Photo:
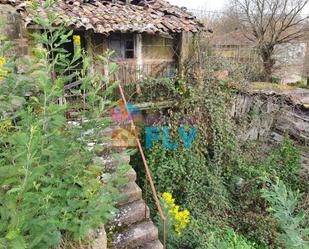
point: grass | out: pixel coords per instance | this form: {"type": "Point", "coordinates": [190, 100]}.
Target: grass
{"type": "Point", "coordinates": [279, 87]}
{"type": "Point", "coordinates": [302, 84]}
{"type": "Point", "coordinates": [271, 86]}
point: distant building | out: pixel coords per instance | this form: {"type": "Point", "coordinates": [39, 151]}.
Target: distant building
{"type": "Point", "coordinates": [235, 45]}
{"type": "Point", "coordinates": [240, 46]}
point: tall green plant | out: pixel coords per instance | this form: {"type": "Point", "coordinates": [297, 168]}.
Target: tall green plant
{"type": "Point", "coordinates": [49, 183]}
{"type": "Point", "coordinates": [284, 206]}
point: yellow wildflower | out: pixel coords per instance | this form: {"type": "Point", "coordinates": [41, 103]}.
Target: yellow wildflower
{"type": "Point", "coordinates": [3, 128]}
{"type": "Point", "coordinates": [180, 219]}
{"type": "Point", "coordinates": [5, 125]}
{"type": "Point", "coordinates": [76, 40]}
{"type": "Point", "coordinates": [3, 72]}
{"type": "Point", "coordinates": [168, 197]}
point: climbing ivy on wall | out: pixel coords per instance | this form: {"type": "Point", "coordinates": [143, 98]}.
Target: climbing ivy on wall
{"type": "Point", "coordinates": [218, 180]}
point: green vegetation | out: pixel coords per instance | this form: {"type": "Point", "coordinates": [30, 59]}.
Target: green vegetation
{"type": "Point", "coordinates": [219, 180]}
{"type": "Point", "coordinates": [230, 198]}
{"type": "Point", "coordinates": [271, 86]}
{"type": "Point", "coordinates": [302, 84]}
{"type": "Point", "coordinates": [283, 205]}
{"type": "Point", "coordinates": [49, 186]}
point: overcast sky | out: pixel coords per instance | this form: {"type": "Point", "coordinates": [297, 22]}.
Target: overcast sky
{"type": "Point", "coordinates": [210, 5]}
{"type": "Point", "coordinates": [203, 4]}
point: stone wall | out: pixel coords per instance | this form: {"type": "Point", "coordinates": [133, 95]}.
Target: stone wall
{"type": "Point", "coordinates": [269, 116]}
{"type": "Point", "coordinates": [290, 61]}
{"type": "Point", "coordinates": [13, 29]}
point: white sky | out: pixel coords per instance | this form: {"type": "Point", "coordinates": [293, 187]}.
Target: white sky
{"type": "Point", "coordinates": [210, 5]}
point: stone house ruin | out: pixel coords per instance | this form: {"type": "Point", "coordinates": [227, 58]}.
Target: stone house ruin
{"type": "Point", "coordinates": [149, 37]}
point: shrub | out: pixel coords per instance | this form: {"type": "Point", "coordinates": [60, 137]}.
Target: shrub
{"type": "Point", "coordinates": [215, 179]}
{"type": "Point", "coordinates": [283, 205]}
{"type": "Point", "coordinates": [49, 184]}
{"type": "Point", "coordinates": [231, 240]}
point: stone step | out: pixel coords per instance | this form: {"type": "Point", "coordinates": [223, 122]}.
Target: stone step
{"type": "Point", "coordinates": [135, 236]}
{"type": "Point", "coordinates": [131, 213]}
{"type": "Point", "coordinates": [152, 245]}
{"type": "Point", "coordinates": [131, 174]}
{"type": "Point", "coordinates": [111, 162]}
{"type": "Point", "coordinates": [115, 161]}
{"type": "Point", "coordinates": [107, 149]}
{"type": "Point", "coordinates": [132, 193]}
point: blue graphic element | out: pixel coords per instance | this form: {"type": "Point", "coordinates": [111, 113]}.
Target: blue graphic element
{"type": "Point", "coordinates": [187, 139]}
{"type": "Point", "coordinates": [166, 140]}
{"type": "Point", "coordinates": [133, 111]}
{"type": "Point", "coordinates": [152, 135]}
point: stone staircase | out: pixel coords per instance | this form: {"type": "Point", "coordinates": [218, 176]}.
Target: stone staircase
{"type": "Point", "coordinates": [132, 227]}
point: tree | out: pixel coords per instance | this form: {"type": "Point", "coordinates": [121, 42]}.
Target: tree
{"type": "Point", "coordinates": [226, 22]}
{"type": "Point", "coordinates": [270, 23]}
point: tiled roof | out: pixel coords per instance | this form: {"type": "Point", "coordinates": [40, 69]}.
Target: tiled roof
{"type": "Point", "coordinates": [103, 16]}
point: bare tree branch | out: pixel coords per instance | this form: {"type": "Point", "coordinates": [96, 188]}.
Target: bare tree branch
{"type": "Point", "coordinates": [270, 23]}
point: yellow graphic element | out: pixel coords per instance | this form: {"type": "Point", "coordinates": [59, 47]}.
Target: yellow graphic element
{"type": "Point", "coordinates": [123, 138]}
{"type": "Point", "coordinates": [180, 218]}
{"type": "Point", "coordinates": [76, 40]}
{"type": "Point", "coordinates": [3, 71]}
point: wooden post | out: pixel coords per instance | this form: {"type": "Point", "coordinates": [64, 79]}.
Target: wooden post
{"type": "Point", "coordinates": [182, 54]}
{"type": "Point", "coordinates": [186, 51]}
{"type": "Point", "coordinates": [90, 51]}
{"type": "Point", "coordinates": [139, 61]}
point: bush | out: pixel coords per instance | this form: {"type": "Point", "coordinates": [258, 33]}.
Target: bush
{"type": "Point", "coordinates": [231, 240]}
{"type": "Point", "coordinates": [283, 205]}
{"type": "Point", "coordinates": [49, 184]}
{"type": "Point", "coordinates": [215, 180]}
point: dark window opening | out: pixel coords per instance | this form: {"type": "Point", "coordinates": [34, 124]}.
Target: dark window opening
{"type": "Point", "coordinates": [129, 54]}
{"type": "Point", "coordinates": [123, 46]}
{"type": "Point", "coordinates": [77, 43]}
{"type": "Point", "coordinates": [130, 44]}
{"type": "Point", "coordinates": [129, 49]}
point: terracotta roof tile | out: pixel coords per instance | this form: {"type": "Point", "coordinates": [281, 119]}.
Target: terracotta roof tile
{"type": "Point", "coordinates": [103, 16]}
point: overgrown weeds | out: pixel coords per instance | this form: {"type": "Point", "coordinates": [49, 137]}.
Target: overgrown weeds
{"type": "Point", "coordinates": [49, 185]}
{"type": "Point", "coordinates": [219, 184]}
